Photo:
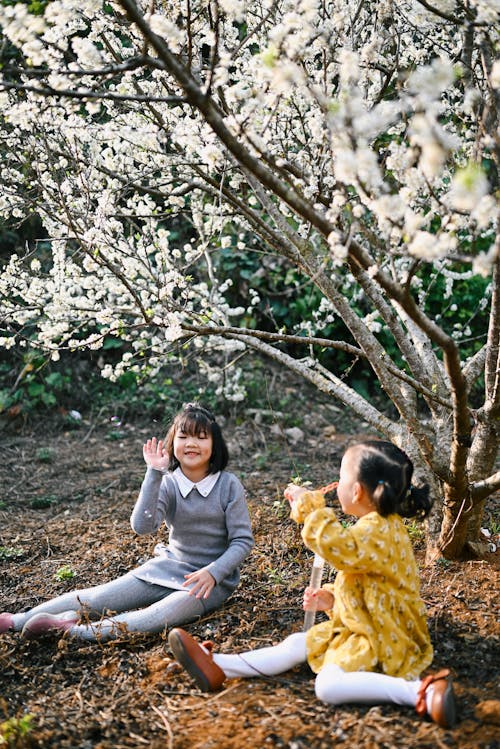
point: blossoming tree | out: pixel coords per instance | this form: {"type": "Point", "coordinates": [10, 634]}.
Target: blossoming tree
{"type": "Point", "coordinates": [355, 141]}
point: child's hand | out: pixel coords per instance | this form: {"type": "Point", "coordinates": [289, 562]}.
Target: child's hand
{"type": "Point", "coordinates": [303, 501]}
{"type": "Point", "coordinates": [318, 599]}
{"type": "Point", "coordinates": [154, 455]}
{"type": "Point", "coordinates": [202, 582]}
{"type": "Point", "coordinates": [294, 492]}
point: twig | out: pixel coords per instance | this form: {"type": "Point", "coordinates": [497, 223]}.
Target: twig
{"type": "Point", "coordinates": [168, 727]}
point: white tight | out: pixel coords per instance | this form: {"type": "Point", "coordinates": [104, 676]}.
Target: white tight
{"type": "Point", "coordinates": [332, 685]}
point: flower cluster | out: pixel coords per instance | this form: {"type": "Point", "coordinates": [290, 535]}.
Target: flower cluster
{"type": "Point", "coordinates": [116, 150]}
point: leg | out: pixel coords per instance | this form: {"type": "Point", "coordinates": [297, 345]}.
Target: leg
{"type": "Point", "coordinates": [265, 661]}
{"type": "Point", "coordinates": [176, 607]}
{"type": "Point", "coordinates": [117, 595]}
{"type": "Point", "coordinates": [433, 695]}
{"type": "Point", "coordinates": [210, 671]}
{"type": "Point", "coordinates": [336, 687]}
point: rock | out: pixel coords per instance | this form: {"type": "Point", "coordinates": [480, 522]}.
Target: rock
{"type": "Point", "coordinates": [488, 711]}
{"type": "Point", "coordinates": [294, 435]}
{"type": "Point", "coordinates": [329, 432]}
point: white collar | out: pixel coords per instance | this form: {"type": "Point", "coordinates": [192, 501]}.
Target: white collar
{"type": "Point", "coordinates": [204, 486]}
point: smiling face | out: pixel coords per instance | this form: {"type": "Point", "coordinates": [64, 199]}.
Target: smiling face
{"type": "Point", "coordinates": [193, 451]}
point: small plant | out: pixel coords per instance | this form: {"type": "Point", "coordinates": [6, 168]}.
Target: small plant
{"type": "Point", "coordinates": [299, 481]}
{"type": "Point", "coordinates": [280, 509]}
{"type": "Point", "coordinates": [15, 733]}
{"type": "Point", "coordinates": [415, 531]}
{"type": "Point", "coordinates": [64, 573]}
{"type": "Point", "coordinates": [261, 461]}
{"type": "Point", "coordinates": [347, 523]}
{"type": "Point", "coordinates": [41, 503]}
{"type": "Point", "coordinates": [10, 552]}
{"type": "Point", "coordinates": [275, 576]}
{"type": "Point", "coordinates": [45, 455]}
{"type": "Point", "coordinates": [494, 527]}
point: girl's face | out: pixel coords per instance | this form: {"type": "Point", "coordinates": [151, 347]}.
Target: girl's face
{"type": "Point", "coordinates": [347, 480]}
{"type": "Point", "coordinates": [353, 496]}
{"type": "Point", "coordinates": [193, 453]}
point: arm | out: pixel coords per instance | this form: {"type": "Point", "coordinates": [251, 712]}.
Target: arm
{"type": "Point", "coordinates": [303, 501]}
{"type": "Point", "coordinates": [354, 549]}
{"type": "Point", "coordinates": [152, 503]}
{"type": "Point", "coordinates": [358, 548]}
{"type": "Point", "coordinates": [239, 535]}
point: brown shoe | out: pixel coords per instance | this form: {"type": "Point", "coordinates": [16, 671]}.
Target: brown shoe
{"type": "Point", "coordinates": [198, 663]}
{"type": "Point", "coordinates": [443, 707]}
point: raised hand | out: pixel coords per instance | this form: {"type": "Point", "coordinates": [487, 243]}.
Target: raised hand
{"type": "Point", "coordinates": [294, 492]}
{"type": "Point", "coordinates": [154, 454]}
{"type": "Point", "coordinates": [303, 501]}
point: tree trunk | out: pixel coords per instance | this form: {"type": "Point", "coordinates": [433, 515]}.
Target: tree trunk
{"type": "Point", "coordinates": [481, 463]}
{"type": "Point", "coordinates": [456, 513]}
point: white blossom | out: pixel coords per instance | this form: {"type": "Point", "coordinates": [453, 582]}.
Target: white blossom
{"type": "Point", "coordinates": [495, 74]}
{"type": "Point", "coordinates": [319, 97]}
{"type": "Point", "coordinates": [468, 187]}
{"type": "Point", "coordinates": [483, 264]}
{"type": "Point", "coordinates": [166, 28]}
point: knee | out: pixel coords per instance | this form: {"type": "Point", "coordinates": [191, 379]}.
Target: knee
{"type": "Point", "coordinates": [327, 686]}
{"type": "Point", "coordinates": [296, 644]}
{"type": "Point", "coordinates": [296, 639]}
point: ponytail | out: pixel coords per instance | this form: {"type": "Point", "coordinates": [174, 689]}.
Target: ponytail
{"type": "Point", "coordinates": [416, 503]}
{"type": "Point", "coordinates": [386, 471]}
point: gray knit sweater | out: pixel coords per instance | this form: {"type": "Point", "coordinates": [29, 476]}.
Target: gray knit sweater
{"type": "Point", "coordinates": [212, 531]}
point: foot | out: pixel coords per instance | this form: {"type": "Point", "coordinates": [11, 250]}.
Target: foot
{"type": "Point", "coordinates": [197, 660]}
{"type": "Point", "coordinates": [42, 624]}
{"type": "Point", "coordinates": [6, 623]}
{"type": "Point", "coordinates": [437, 699]}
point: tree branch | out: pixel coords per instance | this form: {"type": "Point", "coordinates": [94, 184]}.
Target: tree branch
{"type": "Point", "coordinates": [438, 12]}
{"type": "Point", "coordinates": [475, 366]}
{"type": "Point", "coordinates": [276, 337]}
{"type": "Point", "coordinates": [492, 364]}
{"type": "Point", "coordinates": [215, 119]}
{"type": "Point", "coordinates": [332, 386]}
{"type": "Point", "coordinates": [48, 91]}
{"type": "Point", "coordinates": [482, 489]}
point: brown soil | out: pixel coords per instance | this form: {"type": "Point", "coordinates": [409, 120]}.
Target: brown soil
{"type": "Point", "coordinates": [66, 500]}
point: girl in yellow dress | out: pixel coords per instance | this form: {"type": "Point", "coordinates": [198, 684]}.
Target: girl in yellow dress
{"type": "Point", "coordinates": [375, 643]}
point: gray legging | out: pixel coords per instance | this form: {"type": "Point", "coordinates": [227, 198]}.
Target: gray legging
{"type": "Point", "coordinates": [142, 607]}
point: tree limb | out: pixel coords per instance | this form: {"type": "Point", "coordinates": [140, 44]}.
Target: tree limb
{"type": "Point", "coordinates": [333, 386]}
{"type": "Point", "coordinates": [482, 489]}
{"type": "Point", "coordinates": [48, 91]}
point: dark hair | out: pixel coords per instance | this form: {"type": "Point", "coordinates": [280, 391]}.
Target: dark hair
{"type": "Point", "coordinates": [195, 419]}
{"type": "Point", "coordinates": [386, 471]}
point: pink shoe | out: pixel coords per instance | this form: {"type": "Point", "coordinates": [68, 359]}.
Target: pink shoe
{"type": "Point", "coordinates": [42, 624]}
{"type": "Point", "coordinates": [6, 623]}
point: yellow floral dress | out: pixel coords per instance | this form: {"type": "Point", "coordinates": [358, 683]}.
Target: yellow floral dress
{"type": "Point", "coordinates": [378, 621]}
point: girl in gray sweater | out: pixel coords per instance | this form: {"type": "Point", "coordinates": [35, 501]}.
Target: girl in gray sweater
{"type": "Point", "coordinates": [210, 534]}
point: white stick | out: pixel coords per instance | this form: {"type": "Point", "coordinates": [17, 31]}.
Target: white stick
{"type": "Point", "coordinates": [315, 584]}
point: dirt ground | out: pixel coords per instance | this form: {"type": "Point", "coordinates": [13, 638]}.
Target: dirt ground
{"type": "Point", "coordinates": [65, 500]}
